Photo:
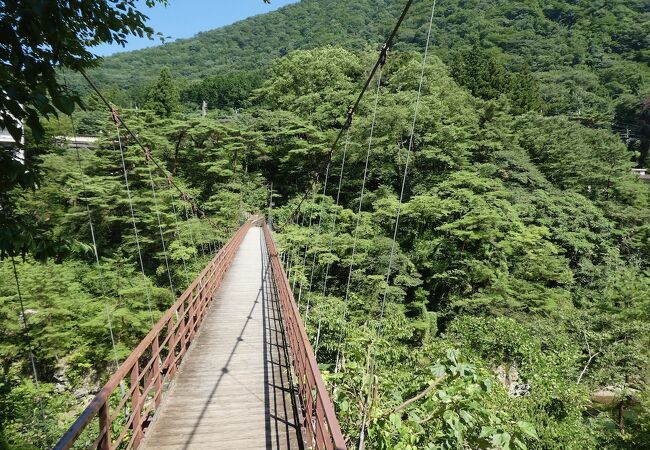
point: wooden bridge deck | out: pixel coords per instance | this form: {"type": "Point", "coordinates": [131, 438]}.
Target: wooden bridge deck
{"type": "Point", "coordinates": [233, 390]}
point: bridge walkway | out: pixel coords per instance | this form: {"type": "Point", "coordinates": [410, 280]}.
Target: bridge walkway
{"type": "Point", "coordinates": [233, 389]}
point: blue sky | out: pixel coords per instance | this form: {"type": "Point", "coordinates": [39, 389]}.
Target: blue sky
{"type": "Point", "coordinates": [185, 18]}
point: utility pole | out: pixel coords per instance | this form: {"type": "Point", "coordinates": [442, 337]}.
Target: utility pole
{"type": "Point", "coordinates": [204, 109]}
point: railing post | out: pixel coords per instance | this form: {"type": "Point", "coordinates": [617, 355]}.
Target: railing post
{"type": "Point", "coordinates": [191, 314]}
{"type": "Point", "coordinates": [170, 364]}
{"type": "Point", "coordinates": [104, 427]}
{"type": "Point", "coordinates": [136, 425]}
{"type": "Point", "coordinates": [181, 328]}
{"type": "Point", "coordinates": [156, 372]}
{"type": "Point", "coordinates": [201, 304]}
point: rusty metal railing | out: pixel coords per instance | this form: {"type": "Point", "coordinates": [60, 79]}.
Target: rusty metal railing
{"type": "Point", "coordinates": [321, 427]}
{"type": "Point", "coordinates": [123, 409]}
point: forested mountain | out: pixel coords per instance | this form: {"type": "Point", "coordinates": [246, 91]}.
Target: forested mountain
{"type": "Point", "coordinates": [517, 306]}
{"type": "Point", "coordinates": [590, 56]}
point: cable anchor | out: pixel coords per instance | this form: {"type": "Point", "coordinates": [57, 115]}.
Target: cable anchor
{"type": "Point", "coordinates": [383, 55]}
{"type": "Point", "coordinates": [115, 115]}
{"type": "Point", "coordinates": [348, 120]}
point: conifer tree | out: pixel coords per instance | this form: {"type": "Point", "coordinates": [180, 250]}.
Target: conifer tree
{"type": "Point", "coordinates": [163, 97]}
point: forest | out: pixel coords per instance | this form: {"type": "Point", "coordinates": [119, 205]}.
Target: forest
{"type": "Point", "coordinates": [517, 310]}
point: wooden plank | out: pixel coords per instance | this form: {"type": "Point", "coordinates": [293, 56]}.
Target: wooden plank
{"type": "Point", "coordinates": [233, 389]}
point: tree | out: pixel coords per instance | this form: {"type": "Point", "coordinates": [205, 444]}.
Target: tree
{"type": "Point", "coordinates": [40, 38]}
{"type": "Point", "coordinates": [523, 91]}
{"type": "Point", "coordinates": [163, 97]}
{"type": "Point", "coordinates": [480, 71]}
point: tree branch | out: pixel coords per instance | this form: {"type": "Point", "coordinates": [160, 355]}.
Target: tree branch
{"type": "Point", "coordinates": [419, 396]}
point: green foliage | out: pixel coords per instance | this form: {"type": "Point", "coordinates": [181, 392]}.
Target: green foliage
{"type": "Point", "coordinates": [520, 244]}
{"type": "Point", "coordinates": [69, 300]}
{"type": "Point", "coordinates": [519, 288]}
{"type": "Point", "coordinates": [41, 37]}
{"type": "Point", "coordinates": [229, 91]}
{"type": "Point", "coordinates": [163, 98]}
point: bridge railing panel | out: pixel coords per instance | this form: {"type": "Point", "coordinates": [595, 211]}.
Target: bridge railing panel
{"type": "Point", "coordinates": [125, 406]}
{"type": "Point", "coordinates": [321, 427]}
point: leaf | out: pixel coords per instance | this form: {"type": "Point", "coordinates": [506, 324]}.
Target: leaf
{"type": "Point", "coordinates": [438, 370]}
{"type": "Point", "coordinates": [467, 417]}
{"type": "Point", "coordinates": [520, 444]}
{"type": "Point", "coordinates": [64, 103]}
{"type": "Point", "coordinates": [528, 429]}
{"type": "Point", "coordinates": [501, 440]}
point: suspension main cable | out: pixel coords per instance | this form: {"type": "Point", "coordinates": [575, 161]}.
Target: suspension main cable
{"type": "Point", "coordinates": [381, 60]}
{"type": "Point", "coordinates": [118, 119]}
{"type": "Point", "coordinates": [135, 226]}
{"type": "Point", "coordinates": [379, 328]}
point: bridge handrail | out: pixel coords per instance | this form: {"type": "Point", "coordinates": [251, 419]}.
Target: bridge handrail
{"type": "Point", "coordinates": [319, 419]}
{"type": "Point", "coordinates": [153, 364]}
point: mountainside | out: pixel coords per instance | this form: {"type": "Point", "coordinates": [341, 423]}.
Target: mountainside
{"type": "Point", "coordinates": [590, 56]}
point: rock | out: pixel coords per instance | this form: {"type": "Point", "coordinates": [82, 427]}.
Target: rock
{"type": "Point", "coordinates": [510, 379]}
{"type": "Point", "coordinates": [610, 396]}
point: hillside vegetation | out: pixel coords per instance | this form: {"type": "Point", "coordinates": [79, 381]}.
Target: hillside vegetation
{"type": "Point", "coordinates": [590, 56]}
{"type": "Point", "coordinates": [518, 305]}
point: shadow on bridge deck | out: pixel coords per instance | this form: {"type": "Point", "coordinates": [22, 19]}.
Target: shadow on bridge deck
{"type": "Point", "coordinates": [233, 390]}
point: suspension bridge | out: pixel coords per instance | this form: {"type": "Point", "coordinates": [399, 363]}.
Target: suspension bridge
{"type": "Point", "coordinates": [218, 376]}
{"type": "Point", "coordinates": [229, 365]}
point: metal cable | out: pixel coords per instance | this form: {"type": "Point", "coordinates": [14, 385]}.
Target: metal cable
{"type": "Point", "coordinates": [135, 137]}
{"type": "Point", "coordinates": [356, 228]}
{"type": "Point", "coordinates": [320, 222]}
{"type": "Point", "coordinates": [396, 228]}
{"type": "Point", "coordinates": [178, 233]}
{"type": "Point", "coordinates": [162, 235]}
{"type": "Point", "coordinates": [336, 211]}
{"type": "Point", "coordinates": [102, 282]}
{"type": "Point", "coordinates": [28, 340]}
{"type": "Point", "coordinates": [351, 111]}
{"type": "Point", "coordinates": [187, 218]}
{"type": "Point", "coordinates": [304, 263]}
{"type": "Point", "coordinates": [135, 226]}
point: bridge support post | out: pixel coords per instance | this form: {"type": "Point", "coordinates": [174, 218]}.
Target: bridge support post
{"type": "Point", "coordinates": [155, 370]}
{"type": "Point", "coordinates": [104, 428]}
{"type": "Point", "coordinates": [181, 328]}
{"type": "Point", "coordinates": [170, 361]}
{"type": "Point", "coordinates": [136, 424]}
